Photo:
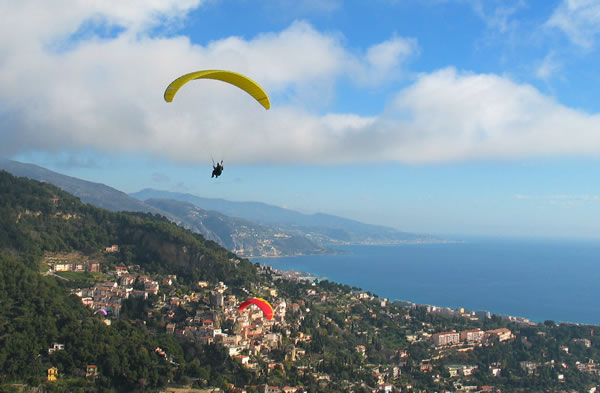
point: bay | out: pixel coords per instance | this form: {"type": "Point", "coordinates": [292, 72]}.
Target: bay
{"type": "Point", "coordinates": [536, 279]}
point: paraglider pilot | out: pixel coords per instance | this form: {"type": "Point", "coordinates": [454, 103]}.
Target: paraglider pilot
{"type": "Point", "coordinates": [217, 169]}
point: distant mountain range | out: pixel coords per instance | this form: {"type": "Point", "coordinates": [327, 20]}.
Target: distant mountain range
{"type": "Point", "coordinates": [244, 237]}
{"type": "Point", "coordinates": [322, 228]}
{"type": "Point", "coordinates": [249, 229]}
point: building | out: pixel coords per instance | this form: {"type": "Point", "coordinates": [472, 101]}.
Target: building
{"type": "Point", "coordinates": [453, 370]}
{"type": "Point", "coordinates": [472, 336]}
{"type": "Point", "coordinates": [529, 366]}
{"type": "Point", "coordinates": [446, 338]}
{"type": "Point", "coordinates": [56, 347]}
{"type": "Point", "coordinates": [52, 374]}
{"type": "Point", "coordinates": [362, 350]}
{"type": "Point", "coordinates": [121, 270]}
{"type": "Point", "coordinates": [217, 299]}
{"type": "Point", "coordinates": [151, 287]}
{"type": "Point", "coordinates": [113, 248]}
{"type": "Point", "coordinates": [91, 371]}
{"type": "Point", "coordinates": [271, 389]}
{"type": "Point", "coordinates": [502, 334]}
{"type": "Point", "coordinates": [468, 370]}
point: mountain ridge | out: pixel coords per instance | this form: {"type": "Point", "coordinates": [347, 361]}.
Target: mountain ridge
{"type": "Point", "coordinates": [337, 229]}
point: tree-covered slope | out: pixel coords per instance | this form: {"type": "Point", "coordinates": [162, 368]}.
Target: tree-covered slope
{"type": "Point", "coordinates": [35, 218]}
{"type": "Point", "coordinates": [37, 311]}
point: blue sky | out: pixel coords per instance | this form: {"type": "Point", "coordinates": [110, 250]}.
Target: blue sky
{"type": "Point", "coordinates": [474, 117]}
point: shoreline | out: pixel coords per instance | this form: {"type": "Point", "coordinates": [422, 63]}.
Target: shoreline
{"type": "Point", "coordinates": [448, 311]}
{"type": "Point", "coordinates": [338, 252]}
{"type": "Point", "coordinates": [409, 263]}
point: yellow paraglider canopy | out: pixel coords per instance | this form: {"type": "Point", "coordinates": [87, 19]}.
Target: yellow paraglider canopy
{"type": "Point", "coordinates": [239, 80]}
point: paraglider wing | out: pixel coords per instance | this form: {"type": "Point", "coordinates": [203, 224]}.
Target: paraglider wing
{"type": "Point", "coordinates": [103, 311]}
{"type": "Point", "coordinates": [261, 303]}
{"type": "Point", "coordinates": [239, 80]}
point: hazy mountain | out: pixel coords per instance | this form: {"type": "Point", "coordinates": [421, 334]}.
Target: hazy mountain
{"type": "Point", "coordinates": [243, 237]}
{"type": "Point", "coordinates": [97, 194]}
{"type": "Point", "coordinates": [323, 228]}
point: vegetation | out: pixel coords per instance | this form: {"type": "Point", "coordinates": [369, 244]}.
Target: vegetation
{"type": "Point", "coordinates": [356, 340]}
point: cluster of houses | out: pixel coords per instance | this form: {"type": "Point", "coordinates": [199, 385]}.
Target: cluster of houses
{"type": "Point", "coordinates": [589, 367]}
{"type": "Point", "coordinates": [249, 333]}
{"type": "Point", "coordinates": [109, 295]}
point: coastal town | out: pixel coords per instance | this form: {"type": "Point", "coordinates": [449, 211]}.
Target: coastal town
{"type": "Point", "coordinates": [209, 315]}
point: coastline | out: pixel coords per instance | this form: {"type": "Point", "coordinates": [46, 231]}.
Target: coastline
{"type": "Point", "coordinates": [469, 275]}
{"type": "Point", "coordinates": [333, 251]}
{"type": "Point", "coordinates": [430, 308]}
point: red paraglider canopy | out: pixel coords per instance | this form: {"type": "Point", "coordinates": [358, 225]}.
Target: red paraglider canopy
{"type": "Point", "coordinates": [261, 303]}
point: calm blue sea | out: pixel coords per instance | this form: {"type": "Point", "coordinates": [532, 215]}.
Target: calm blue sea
{"type": "Point", "coordinates": [536, 279]}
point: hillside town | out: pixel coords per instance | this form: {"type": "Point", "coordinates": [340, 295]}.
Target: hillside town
{"type": "Point", "coordinates": [212, 317]}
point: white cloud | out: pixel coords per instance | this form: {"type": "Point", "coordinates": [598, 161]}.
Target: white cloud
{"type": "Point", "coordinates": [579, 20]}
{"type": "Point", "coordinates": [34, 21]}
{"type": "Point", "coordinates": [105, 94]}
{"type": "Point", "coordinates": [449, 115]}
{"type": "Point", "coordinates": [384, 61]}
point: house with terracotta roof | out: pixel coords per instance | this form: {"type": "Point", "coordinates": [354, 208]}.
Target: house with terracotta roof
{"type": "Point", "coordinates": [91, 371]}
{"type": "Point", "coordinates": [502, 334]}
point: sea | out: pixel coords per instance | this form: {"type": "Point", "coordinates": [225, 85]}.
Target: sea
{"type": "Point", "coordinates": [540, 280]}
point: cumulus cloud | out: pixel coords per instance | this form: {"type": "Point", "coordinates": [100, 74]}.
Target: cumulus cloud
{"type": "Point", "coordinates": [450, 115]}
{"type": "Point", "coordinates": [579, 20]}
{"type": "Point", "coordinates": [105, 93]}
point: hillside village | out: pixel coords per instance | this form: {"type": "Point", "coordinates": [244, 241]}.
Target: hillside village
{"type": "Point", "coordinates": [209, 315]}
